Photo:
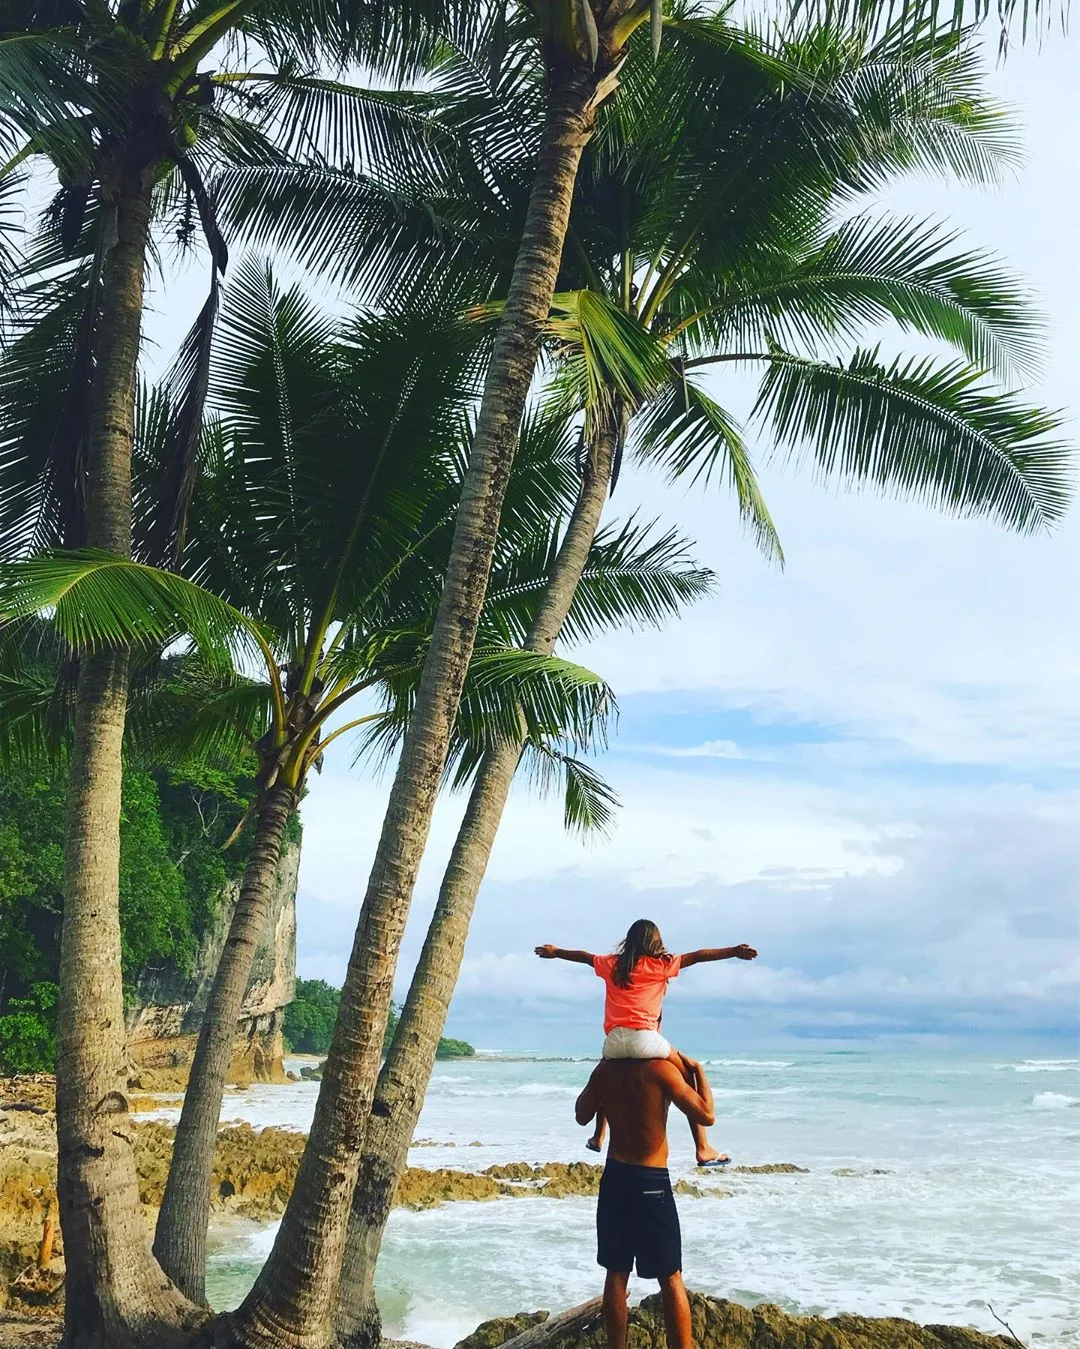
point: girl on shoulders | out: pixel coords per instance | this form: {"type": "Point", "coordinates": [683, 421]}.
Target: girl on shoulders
{"type": "Point", "coordinates": [635, 981]}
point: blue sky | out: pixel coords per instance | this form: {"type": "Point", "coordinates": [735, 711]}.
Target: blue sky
{"type": "Point", "coordinates": [867, 764]}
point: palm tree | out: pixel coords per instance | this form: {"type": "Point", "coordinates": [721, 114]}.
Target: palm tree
{"type": "Point", "coordinates": [114, 98]}
{"type": "Point", "coordinates": [583, 45]}
{"type": "Point", "coordinates": [324, 510]}
{"type": "Point", "coordinates": [686, 277]}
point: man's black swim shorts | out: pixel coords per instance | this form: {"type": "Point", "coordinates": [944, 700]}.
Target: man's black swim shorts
{"type": "Point", "coordinates": [636, 1219]}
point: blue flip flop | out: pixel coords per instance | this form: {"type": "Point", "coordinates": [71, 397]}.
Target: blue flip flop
{"type": "Point", "coordinates": [593, 1147]}
{"type": "Point", "coordinates": [714, 1165]}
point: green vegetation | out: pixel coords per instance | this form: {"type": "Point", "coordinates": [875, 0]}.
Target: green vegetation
{"type": "Point", "coordinates": [172, 872]}
{"type": "Point", "coordinates": [309, 1022]}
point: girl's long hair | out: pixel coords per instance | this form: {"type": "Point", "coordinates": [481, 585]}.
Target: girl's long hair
{"type": "Point", "coordinates": [643, 939]}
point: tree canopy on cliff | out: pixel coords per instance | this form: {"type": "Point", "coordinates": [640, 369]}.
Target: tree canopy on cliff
{"type": "Point", "coordinates": [310, 1017]}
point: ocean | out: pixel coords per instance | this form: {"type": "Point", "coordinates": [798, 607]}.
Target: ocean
{"type": "Point", "coordinates": [962, 1192]}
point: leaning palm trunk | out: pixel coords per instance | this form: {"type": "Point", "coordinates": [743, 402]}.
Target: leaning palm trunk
{"type": "Point", "coordinates": [404, 1078]}
{"type": "Point", "coordinates": [294, 1295]}
{"type": "Point", "coordinates": [180, 1238]}
{"type": "Point", "coordinates": [115, 1292]}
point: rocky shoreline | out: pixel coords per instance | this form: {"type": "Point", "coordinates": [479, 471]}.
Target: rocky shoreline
{"type": "Point", "coordinates": [253, 1175]}
{"type": "Point", "coordinates": [717, 1323]}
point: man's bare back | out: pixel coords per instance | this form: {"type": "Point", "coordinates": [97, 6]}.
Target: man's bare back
{"type": "Point", "coordinates": [635, 1094]}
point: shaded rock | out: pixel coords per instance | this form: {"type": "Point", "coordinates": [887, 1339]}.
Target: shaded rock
{"type": "Point", "coordinates": [855, 1171]}
{"type": "Point", "coordinates": [496, 1332]}
{"type": "Point", "coordinates": [719, 1324]}
{"type": "Point", "coordinates": [694, 1191]}
{"type": "Point", "coordinates": [421, 1189]}
{"type": "Point", "coordinates": [163, 1064]}
{"type": "Point", "coordinates": [773, 1169]}
{"type": "Point", "coordinates": [312, 1073]}
{"type": "Point", "coordinates": [253, 1175]}
{"type": "Point", "coordinates": [139, 1104]}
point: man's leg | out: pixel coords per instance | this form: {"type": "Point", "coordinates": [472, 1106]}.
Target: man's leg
{"type": "Point", "coordinates": [703, 1149]}
{"type": "Point", "coordinates": [616, 1312]}
{"type": "Point", "coordinates": [680, 1334]}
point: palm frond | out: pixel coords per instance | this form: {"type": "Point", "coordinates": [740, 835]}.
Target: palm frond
{"type": "Point", "coordinates": [865, 273]}
{"type": "Point", "coordinates": [343, 226]}
{"type": "Point", "coordinates": [589, 803]}
{"type": "Point", "coordinates": [198, 713]}
{"type": "Point", "coordinates": [388, 133]}
{"type": "Point", "coordinates": [163, 518]}
{"type": "Point", "coordinates": [604, 354]}
{"type": "Point", "coordinates": [687, 432]}
{"type": "Point", "coordinates": [45, 375]}
{"type": "Point", "coordinates": [95, 599]}
{"type": "Point", "coordinates": [922, 428]}
{"type": "Point", "coordinates": [635, 576]}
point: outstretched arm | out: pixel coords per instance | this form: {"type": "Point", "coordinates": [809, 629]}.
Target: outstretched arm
{"type": "Point", "coordinates": [696, 1102]}
{"type": "Point", "coordinates": [557, 953]}
{"type": "Point", "coordinates": [742, 952]}
{"type": "Point", "coordinates": [588, 1103]}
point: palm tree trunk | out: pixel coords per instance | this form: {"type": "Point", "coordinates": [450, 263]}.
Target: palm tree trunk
{"type": "Point", "coordinates": [405, 1075]}
{"type": "Point", "coordinates": [180, 1238]}
{"type": "Point", "coordinates": [295, 1292]}
{"type": "Point", "coordinates": [114, 1289]}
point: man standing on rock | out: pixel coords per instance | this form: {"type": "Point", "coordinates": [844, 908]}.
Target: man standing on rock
{"type": "Point", "coordinates": [636, 1217]}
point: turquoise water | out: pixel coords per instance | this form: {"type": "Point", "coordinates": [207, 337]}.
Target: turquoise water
{"type": "Point", "coordinates": [980, 1202]}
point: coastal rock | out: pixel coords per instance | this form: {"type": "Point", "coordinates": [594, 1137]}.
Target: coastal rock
{"type": "Point", "coordinates": [496, 1332]}
{"type": "Point", "coordinates": [253, 1175]}
{"type": "Point", "coordinates": [691, 1190]}
{"type": "Point", "coordinates": [773, 1169]}
{"type": "Point", "coordinates": [420, 1188]}
{"type": "Point", "coordinates": [719, 1324]}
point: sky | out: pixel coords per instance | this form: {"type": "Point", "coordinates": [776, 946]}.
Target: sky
{"type": "Point", "coordinates": [866, 764]}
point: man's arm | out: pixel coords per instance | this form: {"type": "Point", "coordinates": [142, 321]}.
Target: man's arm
{"type": "Point", "coordinates": [742, 952]}
{"type": "Point", "coordinates": [695, 1102]}
{"type": "Point", "coordinates": [557, 953]}
{"type": "Point", "coordinates": [588, 1103]}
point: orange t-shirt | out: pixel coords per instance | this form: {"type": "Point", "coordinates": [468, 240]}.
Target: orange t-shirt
{"type": "Point", "coordinates": [636, 1007]}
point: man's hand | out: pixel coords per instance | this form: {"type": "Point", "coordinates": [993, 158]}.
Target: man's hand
{"type": "Point", "coordinates": [549, 952]}
{"type": "Point", "coordinates": [744, 952]}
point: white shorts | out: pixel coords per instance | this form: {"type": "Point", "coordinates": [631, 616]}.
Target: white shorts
{"type": "Point", "coordinates": [624, 1043]}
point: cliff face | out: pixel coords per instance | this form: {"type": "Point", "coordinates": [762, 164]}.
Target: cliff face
{"type": "Point", "coordinates": [167, 1011]}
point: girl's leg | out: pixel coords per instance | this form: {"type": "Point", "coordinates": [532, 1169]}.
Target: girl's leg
{"type": "Point", "coordinates": [596, 1142]}
{"type": "Point", "coordinates": [703, 1149]}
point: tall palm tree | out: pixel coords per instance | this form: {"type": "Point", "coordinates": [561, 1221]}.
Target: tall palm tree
{"type": "Point", "coordinates": [324, 510]}
{"type": "Point", "coordinates": [707, 239]}
{"type": "Point", "coordinates": [115, 97]}
{"type": "Point", "coordinates": [583, 45]}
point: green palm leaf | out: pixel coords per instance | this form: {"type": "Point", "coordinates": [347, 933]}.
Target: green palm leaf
{"type": "Point", "coordinates": [589, 803]}
{"type": "Point", "coordinates": [865, 273]}
{"type": "Point", "coordinates": [922, 428]}
{"type": "Point", "coordinates": [687, 432]}
{"type": "Point", "coordinates": [635, 576]}
{"type": "Point", "coordinates": [97, 600]}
